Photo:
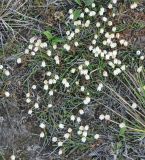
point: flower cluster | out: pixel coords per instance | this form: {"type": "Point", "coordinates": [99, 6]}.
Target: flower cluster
{"type": "Point", "coordinates": [89, 55]}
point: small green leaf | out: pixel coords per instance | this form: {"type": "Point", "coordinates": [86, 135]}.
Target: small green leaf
{"type": "Point", "coordinates": [56, 40]}
{"type": "Point", "coordinates": [76, 14]}
{"type": "Point", "coordinates": [48, 35]}
{"type": "Point", "coordinates": [122, 132]}
{"type": "Point", "coordinates": [78, 2]}
{"type": "Point", "coordinates": [88, 2]}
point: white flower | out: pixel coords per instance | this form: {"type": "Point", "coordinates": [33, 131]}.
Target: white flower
{"type": "Point", "coordinates": [139, 69]}
{"type": "Point", "coordinates": [7, 94]}
{"type": "Point", "coordinates": [45, 82]}
{"type": "Point", "coordinates": [87, 77]}
{"type": "Point", "coordinates": [100, 86]}
{"type": "Point", "coordinates": [1, 67]}
{"type": "Point", "coordinates": [125, 43]}
{"type": "Point", "coordinates": [54, 139]}
{"type": "Point", "coordinates": [87, 63]}
{"type": "Point", "coordinates": [72, 117]}
{"type": "Point", "coordinates": [122, 41]}
{"type": "Point", "coordinates": [48, 73]}
{"type": "Point", "coordinates": [36, 105]}
{"type": "Point", "coordinates": [60, 144]}
{"type": "Point", "coordinates": [92, 13]}
{"type": "Point", "coordinates": [107, 117]}
{"type": "Point", "coordinates": [49, 105]}
{"type": "Point", "coordinates": [45, 87]}
{"type": "Point", "coordinates": [82, 15]}
{"type": "Point", "coordinates": [26, 51]}
{"type": "Point", "coordinates": [114, 1]}
{"type": "Point", "coordinates": [42, 134]}
{"type": "Point", "coordinates": [51, 93]}
{"type": "Point", "coordinates": [95, 36]}
{"type": "Point", "coordinates": [113, 45]}
{"type": "Point", "coordinates": [123, 67]}
{"type": "Point", "coordinates": [98, 24]}
{"type": "Point", "coordinates": [61, 126]}
{"type": "Point", "coordinates": [80, 67]}
{"type": "Point", "coordinates": [30, 46]}
{"type": "Point", "coordinates": [102, 30]}
{"type": "Point", "coordinates": [71, 16]}
{"type": "Point", "coordinates": [57, 60]}
{"type": "Point", "coordinates": [117, 71]}
{"type": "Point", "coordinates": [66, 47]}
{"type": "Point", "coordinates": [133, 6]}
{"type": "Point", "coordinates": [105, 74]}
{"type": "Point", "coordinates": [77, 23]}
{"type": "Point", "coordinates": [54, 46]}
{"type": "Point", "coordinates": [104, 43]}
{"type": "Point", "coordinates": [42, 125]}
{"type": "Point", "coordinates": [96, 136]}
{"type": "Point", "coordinates": [43, 64]}
{"type": "Point", "coordinates": [73, 70]}
{"type": "Point", "coordinates": [94, 41]}
{"type": "Point", "coordinates": [76, 43]}
{"type": "Point", "coordinates": [28, 100]}
{"type": "Point", "coordinates": [72, 34]}
{"type": "Point", "coordinates": [33, 53]}
{"type": "Point", "coordinates": [138, 52]}
{"type": "Point", "coordinates": [83, 139]}
{"type": "Point", "coordinates": [19, 60]}
{"type": "Point", "coordinates": [38, 43]}
{"type": "Point", "coordinates": [78, 119]}
{"type": "Point", "coordinates": [86, 127]}
{"type": "Point", "coordinates": [104, 19]}
{"type": "Point", "coordinates": [134, 106]}
{"type": "Point", "coordinates": [117, 35]}
{"type": "Point", "coordinates": [81, 128]}
{"type": "Point", "coordinates": [142, 57]}
{"type": "Point", "coordinates": [13, 157]}
{"type": "Point", "coordinates": [93, 5]}
{"type": "Point", "coordinates": [82, 88]}
{"type": "Point", "coordinates": [84, 134]}
{"type": "Point", "coordinates": [81, 112]}
{"type": "Point", "coordinates": [67, 33]}
{"type": "Point", "coordinates": [110, 23]}
{"type": "Point", "coordinates": [66, 85]}
{"type": "Point", "coordinates": [90, 48]}
{"type": "Point", "coordinates": [77, 30]}
{"type": "Point", "coordinates": [101, 117]}
{"type": "Point", "coordinates": [56, 77]}
{"type": "Point", "coordinates": [35, 49]}
{"type": "Point", "coordinates": [30, 111]}
{"type": "Point", "coordinates": [34, 87]}
{"type": "Point", "coordinates": [122, 125]}
{"type": "Point", "coordinates": [70, 11]}
{"type": "Point", "coordinates": [66, 135]}
{"type": "Point", "coordinates": [102, 9]}
{"type": "Point", "coordinates": [110, 6]}
{"type": "Point", "coordinates": [69, 130]}
{"type": "Point", "coordinates": [79, 132]}
{"type": "Point", "coordinates": [32, 40]}
{"type": "Point", "coordinates": [50, 81]}
{"type": "Point", "coordinates": [6, 72]}
{"type": "Point", "coordinates": [86, 10]}
{"type": "Point", "coordinates": [87, 100]}
{"type": "Point", "coordinates": [87, 23]}
{"type": "Point", "coordinates": [101, 12]}
{"type": "Point", "coordinates": [49, 52]}
{"type": "Point", "coordinates": [43, 45]}
{"type": "Point", "coordinates": [60, 152]}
